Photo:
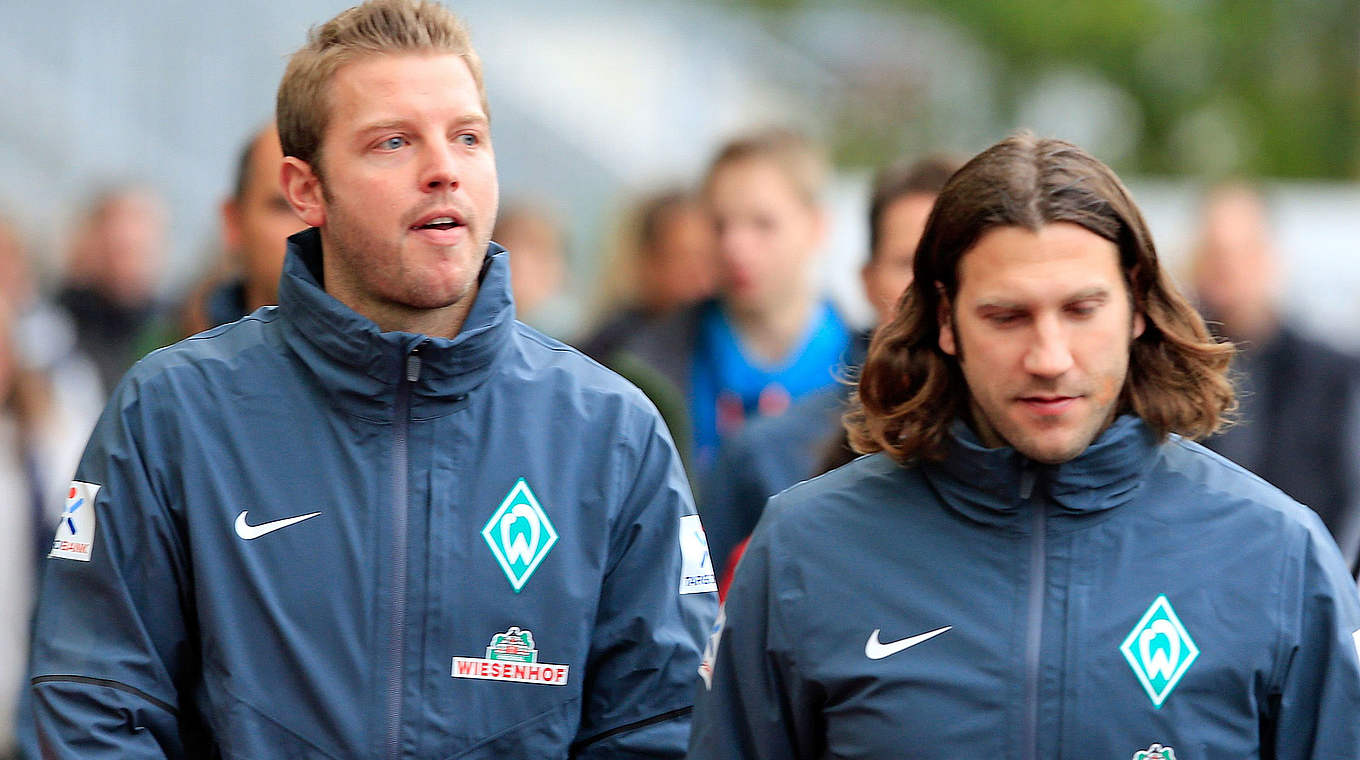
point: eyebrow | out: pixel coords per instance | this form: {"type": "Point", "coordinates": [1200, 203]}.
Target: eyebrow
{"type": "Point", "coordinates": [382, 126]}
{"type": "Point", "coordinates": [1000, 302]}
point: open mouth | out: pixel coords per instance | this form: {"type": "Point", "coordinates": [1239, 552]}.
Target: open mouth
{"type": "Point", "coordinates": [439, 223]}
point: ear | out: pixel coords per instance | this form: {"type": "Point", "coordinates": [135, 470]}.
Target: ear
{"type": "Point", "coordinates": [302, 187]}
{"type": "Point", "coordinates": [944, 315]}
{"type": "Point", "coordinates": [231, 224]}
{"type": "Point", "coordinates": [1139, 324]}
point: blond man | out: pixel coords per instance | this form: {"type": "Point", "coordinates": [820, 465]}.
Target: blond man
{"type": "Point", "coordinates": [383, 519]}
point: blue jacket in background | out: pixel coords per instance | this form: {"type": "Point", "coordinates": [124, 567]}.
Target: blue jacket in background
{"type": "Point", "coordinates": [1144, 600]}
{"type": "Point", "coordinates": [488, 549]}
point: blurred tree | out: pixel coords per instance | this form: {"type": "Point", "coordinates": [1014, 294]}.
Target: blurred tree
{"type": "Point", "coordinates": [1254, 87]}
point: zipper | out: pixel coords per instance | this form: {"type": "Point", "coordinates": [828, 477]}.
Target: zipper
{"type": "Point", "coordinates": [400, 496]}
{"type": "Point", "coordinates": [1034, 627]}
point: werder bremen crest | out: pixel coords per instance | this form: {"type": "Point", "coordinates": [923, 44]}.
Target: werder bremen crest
{"type": "Point", "coordinates": [520, 534]}
{"type": "Point", "coordinates": [1159, 650]}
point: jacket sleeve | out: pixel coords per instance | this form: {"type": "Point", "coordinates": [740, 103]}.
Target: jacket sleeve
{"type": "Point", "coordinates": [754, 703]}
{"type": "Point", "coordinates": [1347, 527]}
{"type": "Point", "coordinates": [730, 500]}
{"type": "Point", "coordinates": [657, 603]}
{"type": "Point", "coordinates": [1317, 708]}
{"type": "Point", "coordinates": [110, 629]}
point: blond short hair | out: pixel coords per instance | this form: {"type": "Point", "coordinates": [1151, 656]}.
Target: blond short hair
{"type": "Point", "coordinates": [798, 158]}
{"type": "Point", "coordinates": [376, 27]}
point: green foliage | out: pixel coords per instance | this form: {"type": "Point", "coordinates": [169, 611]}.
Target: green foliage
{"type": "Point", "coordinates": [1281, 75]}
{"type": "Point", "coordinates": [1249, 87]}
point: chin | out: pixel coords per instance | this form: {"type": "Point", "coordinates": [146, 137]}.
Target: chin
{"type": "Point", "coordinates": [1051, 452]}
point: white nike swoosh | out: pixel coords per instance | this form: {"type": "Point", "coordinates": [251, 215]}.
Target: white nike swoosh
{"type": "Point", "coordinates": [876, 651]}
{"type": "Point", "coordinates": [248, 531]}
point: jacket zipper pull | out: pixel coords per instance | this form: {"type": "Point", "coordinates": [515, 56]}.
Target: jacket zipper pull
{"type": "Point", "coordinates": [1028, 475]}
{"type": "Point", "coordinates": [412, 367]}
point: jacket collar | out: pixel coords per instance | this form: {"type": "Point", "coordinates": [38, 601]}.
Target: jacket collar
{"type": "Point", "coordinates": [362, 365]}
{"type": "Point", "coordinates": [994, 485]}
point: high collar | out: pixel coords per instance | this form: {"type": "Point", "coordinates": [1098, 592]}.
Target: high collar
{"type": "Point", "coordinates": [362, 365]}
{"type": "Point", "coordinates": [995, 485]}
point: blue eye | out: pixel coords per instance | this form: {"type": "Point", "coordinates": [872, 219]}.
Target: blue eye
{"type": "Point", "coordinates": [469, 140]}
{"type": "Point", "coordinates": [392, 143]}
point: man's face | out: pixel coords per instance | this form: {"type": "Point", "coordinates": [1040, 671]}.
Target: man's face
{"type": "Point", "coordinates": [257, 225]}
{"type": "Point", "coordinates": [131, 234]}
{"type": "Point", "coordinates": [407, 193]}
{"type": "Point", "coordinates": [767, 234]}
{"type": "Point", "coordinates": [889, 272]}
{"type": "Point", "coordinates": [1235, 271]}
{"type": "Point", "coordinates": [680, 268]}
{"type": "Point", "coordinates": [1041, 326]}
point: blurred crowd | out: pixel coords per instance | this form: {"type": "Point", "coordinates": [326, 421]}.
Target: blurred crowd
{"type": "Point", "coordinates": [709, 300]}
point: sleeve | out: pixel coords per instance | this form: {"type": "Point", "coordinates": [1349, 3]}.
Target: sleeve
{"type": "Point", "coordinates": [1347, 528]}
{"type": "Point", "coordinates": [754, 703]}
{"type": "Point", "coordinates": [1317, 707]}
{"type": "Point", "coordinates": [110, 631]}
{"type": "Point", "coordinates": [657, 603]}
{"type": "Point", "coordinates": [730, 500]}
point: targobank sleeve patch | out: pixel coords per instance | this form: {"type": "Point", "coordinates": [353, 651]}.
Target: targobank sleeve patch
{"type": "Point", "coordinates": [75, 532]}
{"type": "Point", "coordinates": [696, 566]}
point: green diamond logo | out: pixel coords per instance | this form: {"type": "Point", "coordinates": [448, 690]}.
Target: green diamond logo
{"type": "Point", "coordinates": [1159, 650]}
{"type": "Point", "coordinates": [520, 534]}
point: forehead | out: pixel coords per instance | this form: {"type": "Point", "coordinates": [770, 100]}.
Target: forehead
{"type": "Point", "coordinates": [388, 86]}
{"type": "Point", "coordinates": [751, 181]}
{"type": "Point", "coordinates": [906, 215]}
{"type": "Point", "coordinates": [1020, 265]}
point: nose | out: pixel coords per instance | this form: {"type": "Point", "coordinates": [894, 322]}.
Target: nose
{"type": "Point", "coordinates": [440, 168]}
{"type": "Point", "coordinates": [1049, 353]}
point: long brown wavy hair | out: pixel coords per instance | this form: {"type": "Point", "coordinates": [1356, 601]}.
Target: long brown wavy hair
{"type": "Point", "coordinates": [910, 391]}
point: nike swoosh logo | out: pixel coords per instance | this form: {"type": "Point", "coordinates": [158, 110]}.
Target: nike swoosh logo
{"type": "Point", "coordinates": [877, 651]}
{"type": "Point", "coordinates": [247, 531]}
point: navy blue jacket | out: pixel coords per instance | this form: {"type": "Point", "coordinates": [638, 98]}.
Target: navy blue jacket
{"type": "Point", "coordinates": [1141, 594]}
{"type": "Point", "coordinates": [487, 549]}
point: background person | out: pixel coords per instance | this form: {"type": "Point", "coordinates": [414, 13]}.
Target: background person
{"type": "Point", "coordinates": [666, 261]}
{"type": "Point", "coordinates": [1033, 560]}
{"type": "Point", "coordinates": [773, 453]}
{"type": "Point", "coordinates": [1298, 422]}
{"type": "Point", "coordinates": [770, 336]}
{"type": "Point", "coordinates": [348, 526]}
{"type": "Point", "coordinates": [256, 224]}
{"type": "Point", "coordinates": [49, 398]}
{"type": "Point", "coordinates": [538, 262]}
{"type": "Point", "coordinates": [112, 274]}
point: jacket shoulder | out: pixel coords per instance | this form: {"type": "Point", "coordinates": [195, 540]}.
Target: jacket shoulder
{"type": "Point", "coordinates": [544, 358]}
{"type": "Point", "coordinates": [1215, 482]}
{"type": "Point", "coordinates": [827, 501]}
{"type": "Point", "coordinates": [223, 344]}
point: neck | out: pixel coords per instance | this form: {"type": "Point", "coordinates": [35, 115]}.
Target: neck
{"type": "Point", "coordinates": [773, 333]}
{"type": "Point", "coordinates": [257, 295]}
{"type": "Point", "coordinates": [1254, 326]}
{"type": "Point", "coordinates": [445, 322]}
